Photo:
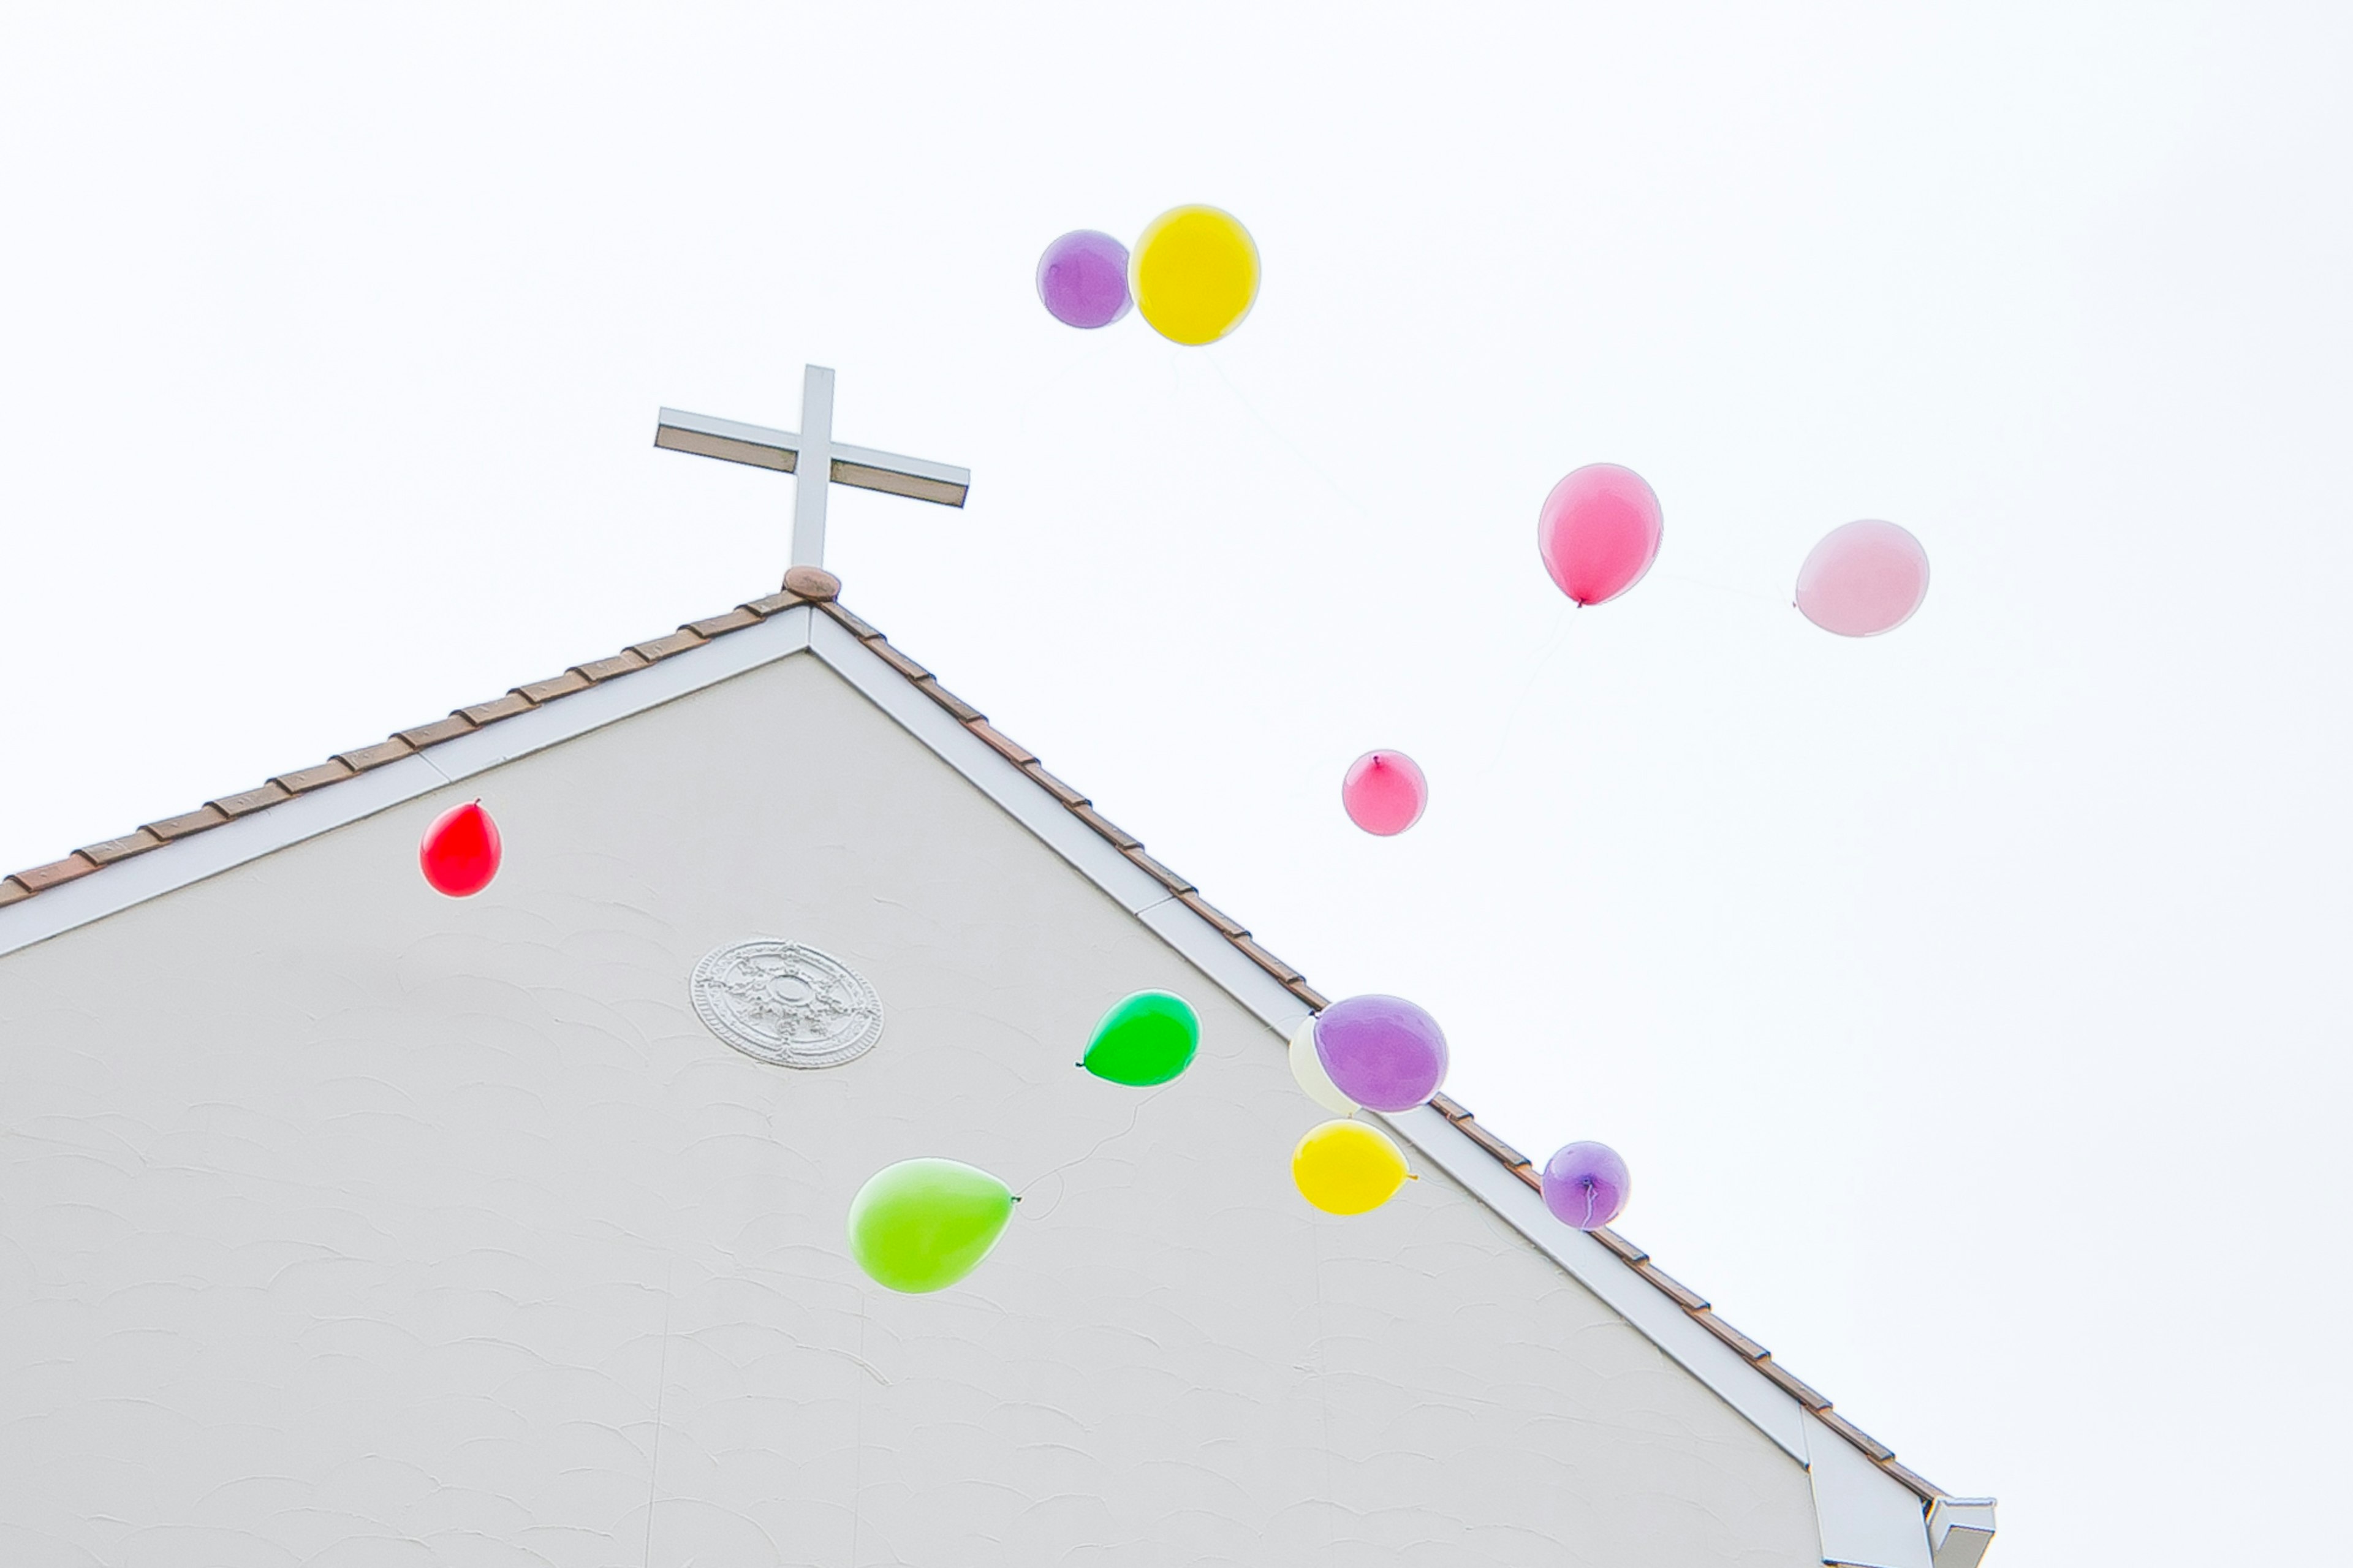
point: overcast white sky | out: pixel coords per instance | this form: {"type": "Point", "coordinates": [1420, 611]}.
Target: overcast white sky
{"type": "Point", "coordinates": [1969, 1002]}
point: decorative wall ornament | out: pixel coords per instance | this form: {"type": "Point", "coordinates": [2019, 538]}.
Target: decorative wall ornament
{"type": "Point", "coordinates": [790, 1006]}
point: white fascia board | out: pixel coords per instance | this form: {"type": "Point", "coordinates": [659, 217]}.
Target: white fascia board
{"type": "Point", "coordinates": [1206, 949]}
{"type": "Point", "coordinates": [201, 855]}
{"type": "Point", "coordinates": [1653, 1314]}
{"type": "Point", "coordinates": [780, 635]}
{"type": "Point", "coordinates": [1026, 800]}
{"type": "Point", "coordinates": [1959, 1530]}
{"type": "Point", "coordinates": [113, 888]}
{"type": "Point", "coordinates": [1868, 1519]}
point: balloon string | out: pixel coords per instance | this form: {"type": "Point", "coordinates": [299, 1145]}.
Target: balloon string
{"type": "Point", "coordinates": [1289, 444]}
{"type": "Point", "coordinates": [1520, 704]}
{"type": "Point", "coordinates": [1588, 1205]}
{"type": "Point", "coordinates": [1108, 1138]}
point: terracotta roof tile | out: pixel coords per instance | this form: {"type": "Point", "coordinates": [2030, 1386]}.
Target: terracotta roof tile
{"type": "Point", "coordinates": [439, 730]}
{"type": "Point", "coordinates": [26, 884]}
{"type": "Point", "coordinates": [621, 663]}
{"type": "Point", "coordinates": [1054, 786]}
{"type": "Point", "coordinates": [882, 650]}
{"type": "Point", "coordinates": [1689, 1299]}
{"type": "Point", "coordinates": [966, 714]}
{"type": "Point", "coordinates": [1469, 1127]}
{"type": "Point", "coordinates": [252, 800]}
{"type": "Point", "coordinates": [1855, 1435]}
{"type": "Point", "coordinates": [1264, 959]}
{"type": "Point", "coordinates": [1316, 1000]}
{"type": "Point", "coordinates": [1106, 826]}
{"type": "Point", "coordinates": [377, 756]}
{"type": "Point", "coordinates": [1626, 1250]}
{"type": "Point", "coordinates": [734, 620]}
{"type": "Point", "coordinates": [1011, 750]}
{"type": "Point", "coordinates": [813, 584]}
{"type": "Point", "coordinates": [1154, 869]}
{"type": "Point", "coordinates": [496, 709]}
{"type": "Point", "coordinates": [41, 879]}
{"type": "Point", "coordinates": [1795, 1387]}
{"type": "Point", "coordinates": [122, 848]}
{"type": "Point", "coordinates": [1919, 1483]}
{"type": "Point", "coordinates": [851, 623]}
{"type": "Point", "coordinates": [188, 822]}
{"type": "Point", "coordinates": [661, 648]}
{"type": "Point", "coordinates": [1227, 925]}
{"type": "Point", "coordinates": [554, 687]}
{"type": "Point", "coordinates": [1714, 1325]}
{"type": "Point", "coordinates": [302, 780]}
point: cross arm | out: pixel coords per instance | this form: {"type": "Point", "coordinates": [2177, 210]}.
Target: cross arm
{"type": "Point", "coordinates": [725, 438]}
{"type": "Point", "coordinates": [914, 477]}
{"type": "Point", "coordinates": [862, 466]}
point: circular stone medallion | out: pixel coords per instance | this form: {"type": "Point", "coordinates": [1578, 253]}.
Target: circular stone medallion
{"type": "Point", "coordinates": [790, 1006]}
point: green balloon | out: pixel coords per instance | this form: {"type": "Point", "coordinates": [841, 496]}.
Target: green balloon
{"type": "Point", "coordinates": [1149, 1038]}
{"type": "Point", "coordinates": [922, 1225]}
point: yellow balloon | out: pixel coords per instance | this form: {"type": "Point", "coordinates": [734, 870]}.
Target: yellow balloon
{"type": "Point", "coordinates": [1195, 274]}
{"type": "Point", "coordinates": [1346, 1167]}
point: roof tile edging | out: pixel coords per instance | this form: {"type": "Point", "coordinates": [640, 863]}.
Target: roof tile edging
{"type": "Point", "coordinates": [22, 884]}
{"type": "Point", "coordinates": [1694, 1305]}
{"type": "Point", "coordinates": [819, 588]}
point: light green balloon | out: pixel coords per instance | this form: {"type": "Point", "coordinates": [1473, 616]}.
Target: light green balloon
{"type": "Point", "coordinates": [922, 1225]}
{"type": "Point", "coordinates": [1148, 1039]}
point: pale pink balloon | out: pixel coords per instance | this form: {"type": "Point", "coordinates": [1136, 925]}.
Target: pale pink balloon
{"type": "Point", "coordinates": [1863, 579]}
{"type": "Point", "coordinates": [1599, 532]}
{"type": "Point", "coordinates": [1385, 793]}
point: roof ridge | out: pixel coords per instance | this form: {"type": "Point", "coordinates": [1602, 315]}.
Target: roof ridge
{"type": "Point", "coordinates": [820, 589]}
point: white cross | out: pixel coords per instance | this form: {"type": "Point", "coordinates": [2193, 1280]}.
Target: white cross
{"type": "Point", "coordinates": [814, 458]}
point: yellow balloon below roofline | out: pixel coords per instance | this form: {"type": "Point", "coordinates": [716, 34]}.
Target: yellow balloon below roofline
{"type": "Point", "coordinates": [1347, 1167]}
{"type": "Point", "coordinates": [1195, 274]}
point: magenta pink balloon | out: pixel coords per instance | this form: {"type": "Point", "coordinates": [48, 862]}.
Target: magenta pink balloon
{"type": "Point", "coordinates": [1383, 793]}
{"type": "Point", "coordinates": [1863, 579]}
{"type": "Point", "coordinates": [1599, 532]}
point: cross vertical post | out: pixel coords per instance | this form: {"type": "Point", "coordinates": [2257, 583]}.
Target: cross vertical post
{"type": "Point", "coordinates": [811, 480]}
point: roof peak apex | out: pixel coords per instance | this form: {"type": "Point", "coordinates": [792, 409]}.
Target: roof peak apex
{"type": "Point", "coordinates": [813, 584]}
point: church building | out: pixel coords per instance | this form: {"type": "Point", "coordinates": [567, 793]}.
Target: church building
{"type": "Point", "coordinates": [348, 1224]}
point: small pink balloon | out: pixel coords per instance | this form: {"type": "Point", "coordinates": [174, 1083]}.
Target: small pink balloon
{"type": "Point", "coordinates": [1863, 579]}
{"type": "Point", "coordinates": [1599, 532]}
{"type": "Point", "coordinates": [1383, 793]}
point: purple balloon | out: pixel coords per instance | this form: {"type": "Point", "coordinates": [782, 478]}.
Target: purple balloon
{"type": "Point", "coordinates": [1083, 278]}
{"type": "Point", "coordinates": [1382, 1052]}
{"type": "Point", "coordinates": [1586, 1184]}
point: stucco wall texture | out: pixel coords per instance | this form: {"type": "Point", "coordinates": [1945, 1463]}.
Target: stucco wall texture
{"type": "Point", "coordinates": [346, 1224]}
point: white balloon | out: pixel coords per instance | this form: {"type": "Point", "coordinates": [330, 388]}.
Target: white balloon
{"type": "Point", "coordinates": [1308, 1068]}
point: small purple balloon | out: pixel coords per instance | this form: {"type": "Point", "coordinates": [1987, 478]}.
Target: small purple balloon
{"type": "Point", "coordinates": [1382, 1052]}
{"type": "Point", "coordinates": [1586, 1184]}
{"type": "Point", "coordinates": [1083, 278]}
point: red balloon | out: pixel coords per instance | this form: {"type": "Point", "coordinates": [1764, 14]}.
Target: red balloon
{"type": "Point", "coordinates": [461, 851]}
{"type": "Point", "coordinates": [1599, 532]}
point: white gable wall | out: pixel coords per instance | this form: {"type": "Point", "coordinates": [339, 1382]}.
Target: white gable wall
{"type": "Point", "coordinates": [345, 1224]}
